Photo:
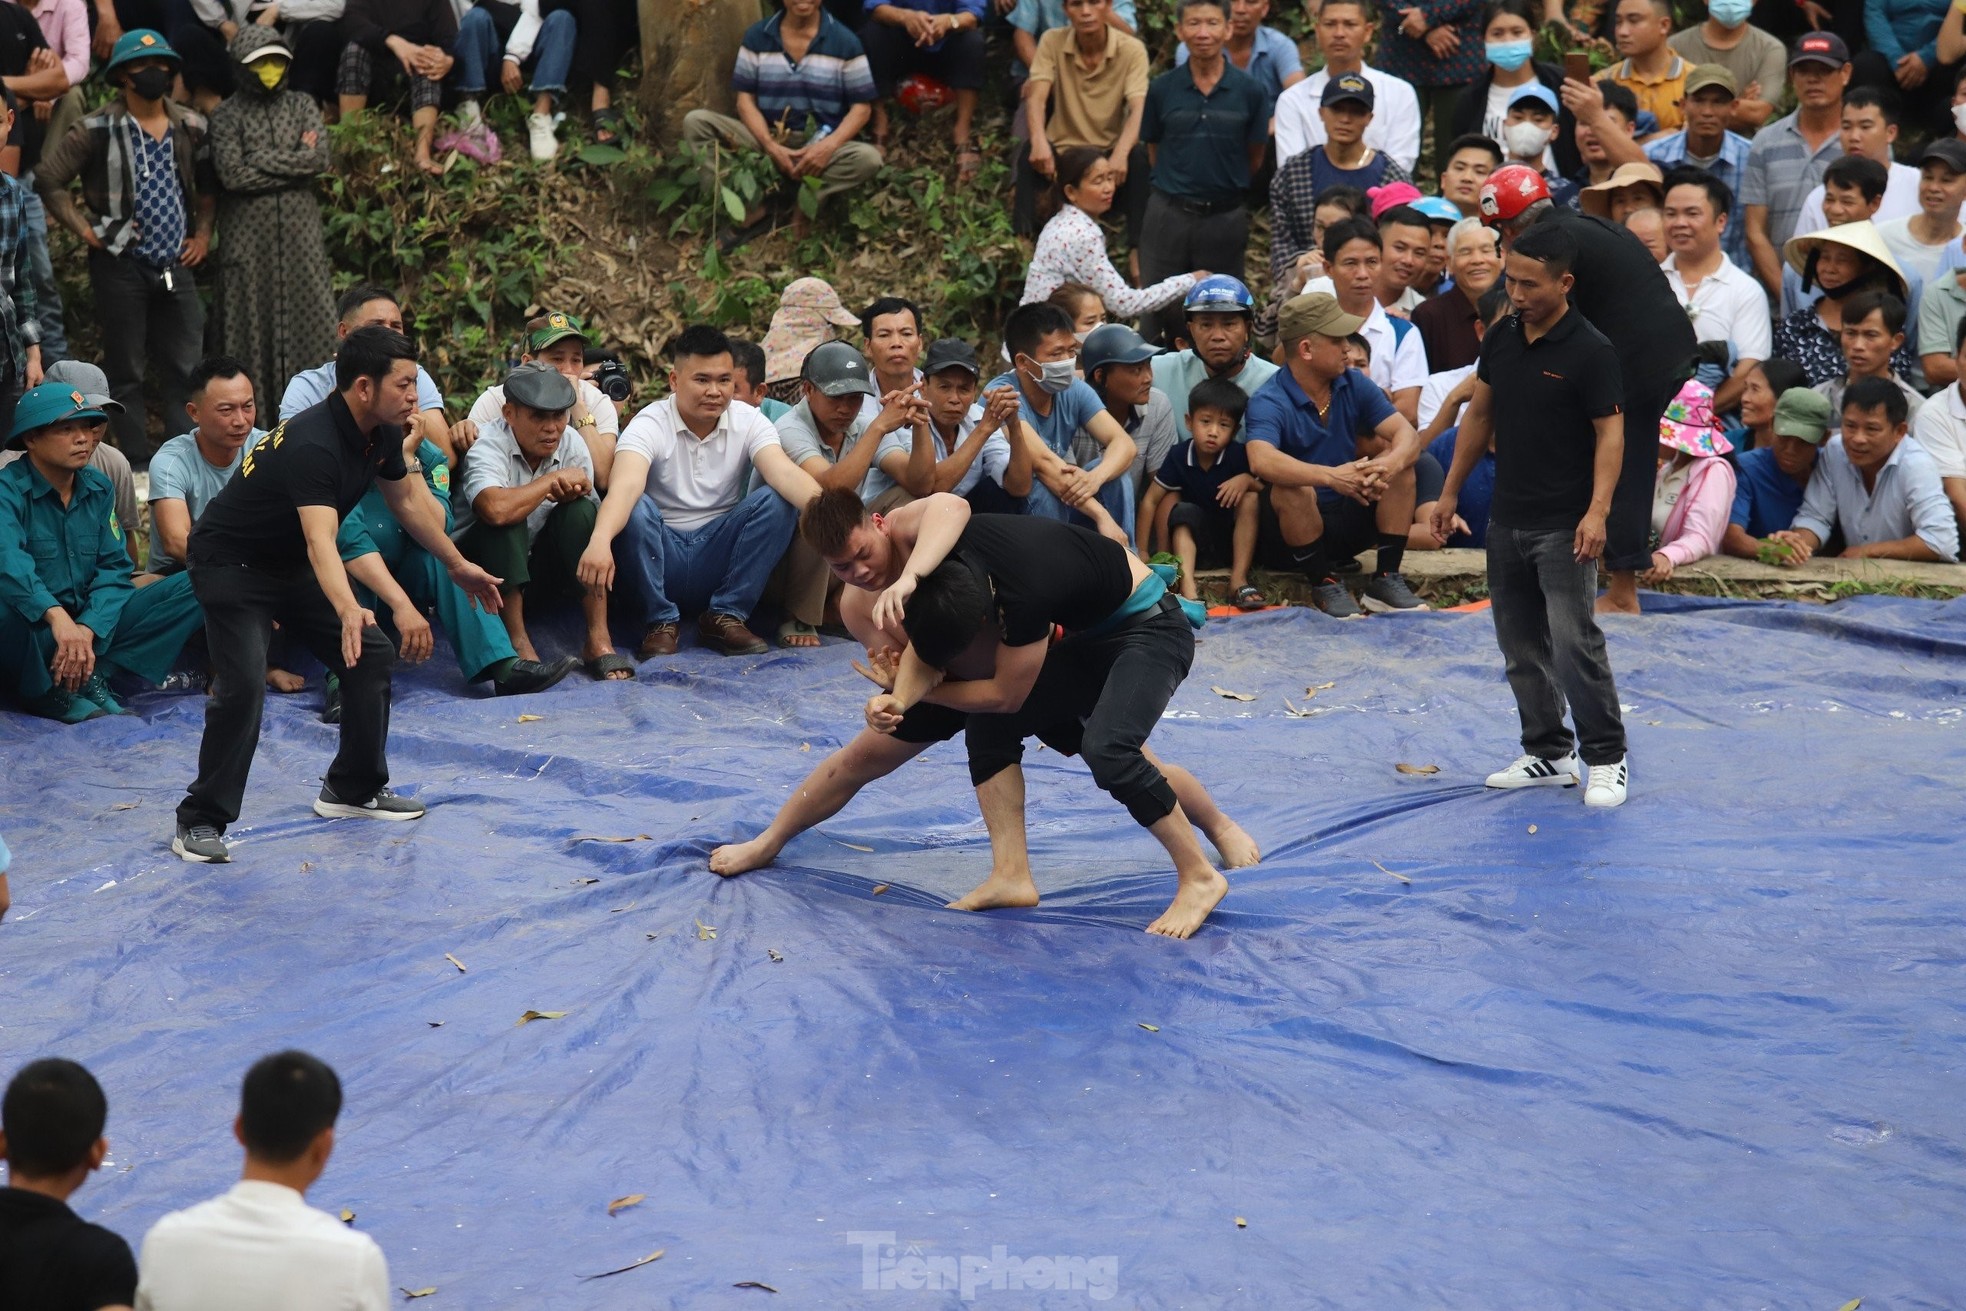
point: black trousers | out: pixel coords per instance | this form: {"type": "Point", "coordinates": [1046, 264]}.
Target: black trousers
{"type": "Point", "coordinates": [1175, 239]}
{"type": "Point", "coordinates": [603, 32]}
{"type": "Point", "coordinates": [143, 324]}
{"type": "Point", "coordinates": [241, 606]}
{"type": "Point", "coordinates": [1628, 528]}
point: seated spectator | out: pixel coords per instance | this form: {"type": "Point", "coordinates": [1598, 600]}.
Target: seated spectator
{"type": "Point", "coordinates": [1527, 131]}
{"type": "Point", "coordinates": [942, 39]}
{"type": "Point", "coordinates": [1869, 131]}
{"type": "Point", "coordinates": [189, 469]}
{"type": "Point", "coordinates": [1845, 261]}
{"type": "Point", "coordinates": [525, 511]}
{"type": "Point", "coordinates": [1441, 217]}
{"type": "Point", "coordinates": [64, 560]}
{"type": "Point", "coordinates": [602, 29]}
{"type": "Point", "coordinates": [259, 1244]}
{"type": "Point", "coordinates": [51, 1123]}
{"type": "Point", "coordinates": [1873, 345]}
{"type": "Point", "coordinates": [1920, 241]}
{"type": "Point", "coordinates": [1450, 324]}
{"type": "Point", "coordinates": [1483, 108]}
{"type": "Point", "coordinates": [1651, 69]}
{"type": "Point", "coordinates": [1770, 480]}
{"type": "Point", "coordinates": [1470, 159]}
{"type": "Point", "coordinates": [748, 384]}
{"type": "Point", "coordinates": [1941, 429]}
{"type": "Point", "coordinates": [804, 92]}
{"type": "Point", "coordinates": [1054, 406]}
{"type": "Point", "coordinates": [1211, 516]}
{"type": "Point", "coordinates": [1649, 226]}
{"type": "Point", "coordinates": [1258, 50]}
{"type": "Point", "coordinates": [1072, 247]}
{"type": "Point", "coordinates": [1082, 304]}
{"type": "Point", "coordinates": [809, 312]}
{"type": "Point", "coordinates": [1441, 403]}
{"type": "Point", "coordinates": [1119, 364]}
{"type": "Point", "coordinates": [1940, 312]}
{"type": "Point", "coordinates": [1904, 56]}
{"type": "Point", "coordinates": [103, 458]}
{"type": "Point", "coordinates": [1706, 143]}
{"type": "Point", "coordinates": [1297, 248]}
{"type": "Point", "coordinates": [973, 459]}
{"type": "Point", "coordinates": [1446, 391]}
{"type": "Point", "coordinates": [1877, 487]}
{"type": "Point", "coordinates": [892, 329]}
{"type": "Point", "coordinates": [1345, 30]}
{"type": "Point", "coordinates": [1854, 190]}
{"type": "Point", "coordinates": [1630, 187]}
{"type": "Point", "coordinates": [1342, 158]}
{"type": "Point", "coordinates": [1219, 321]}
{"type": "Point", "coordinates": [1406, 245]}
{"type": "Point", "coordinates": [1693, 492]}
{"type": "Point", "coordinates": [309, 29]}
{"type": "Point", "coordinates": [365, 305]}
{"type": "Point", "coordinates": [393, 40]}
{"type": "Point", "coordinates": [513, 37]}
{"type": "Point", "coordinates": [559, 340]}
{"type": "Point", "coordinates": [1324, 504]}
{"type": "Point", "coordinates": [1399, 360]}
{"type": "Point", "coordinates": [146, 293]}
{"type": "Point", "coordinates": [1753, 61]}
{"type": "Point", "coordinates": [1030, 19]}
{"type": "Point", "coordinates": [1723, 300]}
{"type": "Point", "coordinates": [696, 539]}
{"type": "Point", "coordinates": [1765, 383]}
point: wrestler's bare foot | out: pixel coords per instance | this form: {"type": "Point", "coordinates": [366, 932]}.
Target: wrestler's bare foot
{"type": "Point", "coordinates": [282, 681]}
{"type": "Point", "coordinates": [743, 857]}
{"type": "Point", "coordinates": [1193, 900]}
{"type": "Point", "coordinates": [1003, 889]}
{"type": "Point", "coordinates": [1238, 850]}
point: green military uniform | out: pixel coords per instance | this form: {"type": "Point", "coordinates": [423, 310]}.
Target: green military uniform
{"type": "Point", "coordinates": [76, 557]}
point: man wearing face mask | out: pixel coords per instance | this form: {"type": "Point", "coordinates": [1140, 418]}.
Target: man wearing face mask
{"type": "Point", "coordinates": [1756, 61]}
{"type": "Point", "coordinates": [1054, 406]}
{"type": "Point", "coordinates": [1527, 133]}
{"type": "Point", "coordinates": [147, 182]}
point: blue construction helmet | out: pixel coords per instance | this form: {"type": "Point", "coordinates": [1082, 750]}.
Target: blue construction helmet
{"type": "Point", "coordinates": [1218, 293]}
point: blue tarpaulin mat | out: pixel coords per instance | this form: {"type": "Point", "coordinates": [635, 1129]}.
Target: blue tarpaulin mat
{"type": "Point", "coordinates": [1443, 1048]}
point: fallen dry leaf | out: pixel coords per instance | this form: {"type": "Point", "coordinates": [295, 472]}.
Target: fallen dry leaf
{"type": "Point", "coordinates": [586, 880]}
{"type": "Point", "coordinates": [306, 865]}
{"type": "Point", "coordinates": [879, 888]}
{"type": "Point", "coordinates": [347, 1216]}
{"type": "Point", "coordinates": [618, 910]}
{"type": "Point", "coordinates": [435, 1024]}
{"type": "Point", "coordinates": [1241, 1223]}
{"type": "Point", "coordinates": [623, 1203]}
{"type": "Point", "coordinates": [1405, 768]}
{"type": "Point", "coordinates": [1321, 687]}
{"type": "Point", "coordinates": [651, 936]}
{"type": "Point", "coordinates": [639, 837]}
{"type": "Point", "coordinates": [530, 719]}
{"type": "Point", "coordinates": [1851, 1305]}
{"type": "Point", "coordinates": [455, 961]}
{"type": "Point", "coordinates": [632, 1265]}
{"type": "Point", "coordinates": [1292, 712]}
{"type": "Point", "coordinates": [1532, 828]}
{"type": "Point", "coordinates": [805, 746]}
{"type": "Point", "coordinates": [530, 1016]}
{"type": "Point", "coordinates": [418, 1292]}
{"type": "Point", "coordinates": [705, 932]}
{"type": "Point", "coordinates": [852, 846]}
{"type": "Point", "coordinates": [1392, 872]}
{"type": "Point", "coordinates": [126, 805]}
{"type": "Point", "coordinates": [1150, 1028]}
{"type": "Point", "coordinates": [774, 954]}
{"type": "Point", "coordinates": [752, 1283]}
{"type": "Point", "coordinates": [1233, 696]}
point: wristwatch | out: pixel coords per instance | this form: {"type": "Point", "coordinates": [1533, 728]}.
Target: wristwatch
{"type": "Point", "coordinates": [587, 421]}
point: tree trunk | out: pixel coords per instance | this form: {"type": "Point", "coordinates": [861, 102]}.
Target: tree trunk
{"type": "Point", "coordinates": [688, 50]}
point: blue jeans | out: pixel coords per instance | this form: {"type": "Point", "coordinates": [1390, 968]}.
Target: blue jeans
{"type": "Point", "coordinates": [480, 51]}
{"type": "Point", "coordinates": [720, 568]}
{"type": "Point", "coordinates": [1544, 602]}
{"type": "Point", "coordinates": [1116, 496]}
{"type": "Point", "coordinates": [41, 276]}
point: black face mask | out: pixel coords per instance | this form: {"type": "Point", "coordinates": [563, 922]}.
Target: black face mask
{"type": "Point", "coordinates": [151, 83]}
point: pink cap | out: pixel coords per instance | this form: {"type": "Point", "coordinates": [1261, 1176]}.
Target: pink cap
{"type": "Point", "coordinates": [1391, 196]}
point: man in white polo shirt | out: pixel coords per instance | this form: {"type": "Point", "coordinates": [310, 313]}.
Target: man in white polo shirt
{"type": "Point", "coordinates": [1941, 428]}
{"type": "Point", "coordinates": [695, 540]}
{"type": "Point", "coordinates": [1344, 29]}
{"type": "Point", "coordinates": [260, 1244]}
{"type": "Point", "coordinates": [1723, 300]}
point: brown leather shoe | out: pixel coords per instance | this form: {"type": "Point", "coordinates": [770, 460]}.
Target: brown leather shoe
{"type": "Point", "coordinates": [727, 633]}
{"type": "Point", "coordinates": [659, 640]}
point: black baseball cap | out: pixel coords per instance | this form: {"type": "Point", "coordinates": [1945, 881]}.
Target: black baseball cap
{"type": "Point", "coordinates": [1950, 151]}
{"type": "Point", "coordinates": [1820, 48]}
{"type": "Point", "coordinates": [948, 353]}
{"type": "Point", "coordinates": [1347, 86]}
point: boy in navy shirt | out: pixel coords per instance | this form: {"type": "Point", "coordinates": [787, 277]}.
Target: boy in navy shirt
{"type": "Point", "coordinates": [1213, 512]}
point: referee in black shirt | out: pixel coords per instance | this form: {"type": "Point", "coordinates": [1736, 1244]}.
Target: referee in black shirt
{"type": "Point", "coordinates": [264, 552]}
{"type": "Point", "coordinates": [1548, 393]}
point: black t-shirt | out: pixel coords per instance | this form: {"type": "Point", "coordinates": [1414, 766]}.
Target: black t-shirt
{"type": "Point", "coordinates": [20, 37]}
{"type": "Point", "coordinates": [1181, 472]}
{"type": "Point", "coordinates": [1622, 291]}
{"type": "Point", "coordinates": [1045, 572]}
{"type": "Point", "coordinates": [51, 1259]}
{"type": "Point", "coordinates": [1546, 393]}
{"type": "Point", "coordinates": [318, 457]}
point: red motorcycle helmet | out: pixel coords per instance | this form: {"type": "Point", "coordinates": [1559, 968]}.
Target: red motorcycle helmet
{"type": "Point", "coordinates": [918, 93]}
{"type": "Point", "coordinates": [1508, 191]}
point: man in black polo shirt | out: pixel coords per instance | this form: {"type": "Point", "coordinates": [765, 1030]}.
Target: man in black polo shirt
{"type": "Point", "coordinates": [264, 552]}
{"type": "Point", "coordinates": [51, 1134]}
{"type": "Point", "coordinates": [1547, 393]}
{"type": "Point", "coordinates": [1206, 126]}
{"type": "Point", "coordinates": [1622, 291]}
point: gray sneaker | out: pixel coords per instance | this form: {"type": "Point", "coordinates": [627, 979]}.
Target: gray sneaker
{"type": "Point", "coordinates": [200, 844]}
{"type": "Point", "coordinates": [1388, 593]}
{"type": "Point", "coordinates": [1331, 597]}
{"type": "Point", "coordinates": [383, 805]}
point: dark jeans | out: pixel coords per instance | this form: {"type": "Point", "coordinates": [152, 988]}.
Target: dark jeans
{"type": "Point", "coordinates": [603, 31]}
{"type": "Point", "coordinates": [1173, 239]}
{"type": "Point", "coordinates": [892, 54]}
{"type": "Point", "coordinates": [1628, 529]}
{"type": "Point", "coordinates": [1099, 697]}
{"type": "Point", "coordinates": [143, 323]}
{"type": "Point", "coordinates": [1544, 603]}
{"type": "Point", "coordinates": [1130, 200]}
{"type": "Point", "coordinates": [241, 606]}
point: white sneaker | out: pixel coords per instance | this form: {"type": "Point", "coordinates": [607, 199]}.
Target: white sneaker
{"type": "Point", "coordinates": [1607, 784]}
{"type": "Point", "coordinates": [1536, 772]}
{"type": "Point", "coordinates": [544, 144]}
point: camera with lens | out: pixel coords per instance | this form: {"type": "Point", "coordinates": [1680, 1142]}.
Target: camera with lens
{"type": "Point", "coordinates": [611, 376]}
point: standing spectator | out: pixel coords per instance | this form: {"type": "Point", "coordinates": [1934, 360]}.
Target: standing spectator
{"type": "Point", "coordinates": [65, 26]}
{"type": "Point", "coordinates": [1921, 241]}
{"type": "Point", "coordinates": [268, 147]}
{"type": "Point", "coordinates": [416, 38]}
{"type": "Point", "coordinates": [1694, 492]}
{"type": "Point", "coordinates": [1869, 131]}
{"type": "Point", "coordinates": [1470, 159]}
{"type": "Point", "coordinates": [1852, 192]}
{"type": "Point", "coordinates": [804, 92]}
{"type": "Point", "coordinates": [259, 1244]}
{"type": "Point", "coordinates": [1072, 247]}
{"type": "Point", "coordinates": [940, 38]}
{"type": "Point", "coordinates": [1607, 122]}
{"type": "Point", "coordinates": [1881, 490]}
{"type": "Point", "coordinates": [1753, 60]}
{"type": "Point", "coordinates": [1789, 155]}
{"type": "Point", "coordinates": [20, 328]}
{"type": "Point", "coordinates": [1450, 323]}
{"type": "Point", "coordinates": [1845, 262]}
{"type": "Point", "coordinates": [511, 37]}
{"type": "Point", "coordinates": [1436, 47]}
{"type": "Point", "coordinates": [51, 1123]}
{"type": "Point", "coordinates": [1208, 123]}
{"type": "Point", "coordinates": [1087, 90]}
{"type": "Point", "coordinates": [1342, 159]}
{"type": "Point", "coordinates": [1549, 397]}
{"type": "Point", "coordinates": [1630, 187]}
{"type": "Point", "coordinates": [1940, 313]}
{"type": "Point", "coordinates": [1257, 49]}
{"type": "Point", "coordinates": [1706, 142]}
{"type": "Point", "coordinates": [1771, 480]}
{"type": "Point", "coordinates": [1651, 70]}
{"type": "Point", "coordinates": [1904, 57]}
{"type": "Point", "coordinates": [1723, 300]}
{"type": "Point", "coordinates": [1031, 19]}
{"type": "Point", "coordinates": [146, 179]}
{"type": "Point", "coordinates": [1941, 429]}
{"type": "Point", "coordinates": [1344, 29]}
{"type": "Point", "coordinates": [366, 305]}
{"type": "Point", "coordinates": [1527, 130]}
{"type": "Point", "coordinates": [1483, 110]}
{"type": "Point", "coordinates": [1218, 319]}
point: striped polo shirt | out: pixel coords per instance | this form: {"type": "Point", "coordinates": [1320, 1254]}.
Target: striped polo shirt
{"type": "Point", "coordinates": [832, 78]}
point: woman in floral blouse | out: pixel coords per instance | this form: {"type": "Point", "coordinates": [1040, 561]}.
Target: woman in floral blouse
{"type": "Point", "coordinates": [1842, 261]}
{"type": "Point", "coordinates": [1072, 247]}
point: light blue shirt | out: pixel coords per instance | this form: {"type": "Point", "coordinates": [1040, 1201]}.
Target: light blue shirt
{"type": "Point", "coordinates": [798, 434]}
{"type": "Point", "coordinates": [312, 386]}
{"type": "Point", "coordinates": [179, 472]}
{"type": "Point", "coordinates": [1071, 410]}
{"type": "Point", "coordinates": [1274, 58]}
{"type": "Point", "coordinates": [990, 462]}
{"type": "Point", "coordinates": [1176, 373]}
{"type": "Point", "coordinates": [1907, 500]}
{"type": "Point", "coordinates": [497, 463]}
{"type": "Point", "coordinates": [1731, 167]}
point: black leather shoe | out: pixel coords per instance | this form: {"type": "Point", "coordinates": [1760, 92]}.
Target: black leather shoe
{"type": "Point", "coordinates": [533, 676]}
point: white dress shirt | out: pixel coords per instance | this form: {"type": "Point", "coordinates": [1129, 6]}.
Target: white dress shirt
{"type": "Point", "coordinates": [1941, 429]}
{"type": "Point", "coordinates": [696, 480]}
{"type": "Point", "coordinates": [490, 407]}
{"type": "Point", "coordinates": [1395, 126]}
{"type": "Point", "coordinates": [1433, 393]}
{"type": "Point", "coordinates": [1726, 305]}
{"type": "Point", "coordinates": [257, 1246]}
{"type": "Point", "coordinates": [1900, 201]}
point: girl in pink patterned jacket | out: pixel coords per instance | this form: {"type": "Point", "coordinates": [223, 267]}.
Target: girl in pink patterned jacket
{"type": "Point", "coordinates": [1694, 493]}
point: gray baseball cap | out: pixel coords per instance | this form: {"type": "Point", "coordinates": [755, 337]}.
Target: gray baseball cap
{"type": "Point", "coordinates": [86, 378]}
{"type": "Point", "coordinates": [837, 369]}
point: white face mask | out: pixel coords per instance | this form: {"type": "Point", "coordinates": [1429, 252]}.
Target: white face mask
{"type": "Point", "coordinates": [1056, 376]}
{"type": "Point", "coordinates": [1525, 140]}
{"type": "Point", "coordinates": [1959, 116]}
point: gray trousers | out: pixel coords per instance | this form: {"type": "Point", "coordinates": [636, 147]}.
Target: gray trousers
{"type": "Point", "coordinates": [1545, 622]}
{"type": "Point", "coordinates": [1172, 241]}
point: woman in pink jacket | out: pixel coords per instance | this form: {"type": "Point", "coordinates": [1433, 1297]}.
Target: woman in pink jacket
{"type": "Point", "coordinates": [1694, 493]}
